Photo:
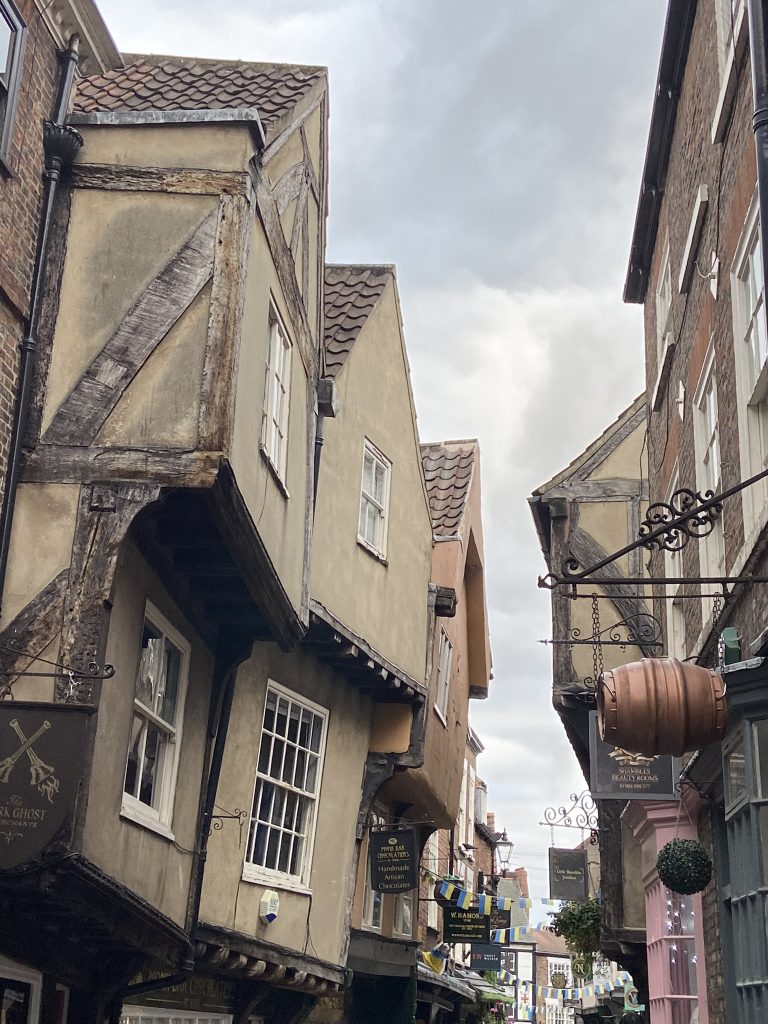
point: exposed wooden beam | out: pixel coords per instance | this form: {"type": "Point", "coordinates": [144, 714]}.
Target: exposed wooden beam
{"type": "Point", "coordinates": [181, 180]}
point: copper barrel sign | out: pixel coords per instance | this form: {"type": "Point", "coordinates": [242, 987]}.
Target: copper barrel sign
{"type": "Point", "coordinates": [41, 760]}
{"type": "Point", "coordinates": [661, 706]}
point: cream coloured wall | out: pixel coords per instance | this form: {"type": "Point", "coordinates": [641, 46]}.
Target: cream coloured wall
{"type": "Point", "coordinates": [41, 542]}
{"type": "Point", "coordinates": [118, 242]}
{"type": "Point", "coordinates": [384, 602]}
{"type": "Point", "coordinates": [217, 147]}
{"type": "Point", "coordinates": [150, 864]}
{"type": "Point", "coordinates": [279, 516]}
{"type": "Point", "coordinates": [232, 903]}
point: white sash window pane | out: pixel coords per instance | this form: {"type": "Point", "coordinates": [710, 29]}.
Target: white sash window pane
{"type": "Point", "coordinates": [374, 499]}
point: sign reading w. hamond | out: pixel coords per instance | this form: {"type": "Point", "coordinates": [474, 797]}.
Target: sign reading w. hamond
{"type": "Point", "coordinates": [41, 759]}
{"type": "Point", "coordinates": [617, 773]}
{"type": "Point", "coordinates": [392, 855]}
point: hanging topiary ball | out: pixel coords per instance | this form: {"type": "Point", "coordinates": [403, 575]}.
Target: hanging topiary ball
{"type": "Point", "coordinates": [684, 866]}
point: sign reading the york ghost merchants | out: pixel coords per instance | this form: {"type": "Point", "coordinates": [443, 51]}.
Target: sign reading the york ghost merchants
{"type": "Point", "coordinates": [394, 864]}
{"type": "Point", "coordinates": [567, 874]}
{"type": "Point", "coordinates": [200, 992]}
{"type": "Point", "coordinates": [466, 926]}
{"type": "Point", "coordinates": [41, 758]}
{"type": "Point", "coordinates": [485, 958]}
{"type": "Point", "coordinates": [619, 773]}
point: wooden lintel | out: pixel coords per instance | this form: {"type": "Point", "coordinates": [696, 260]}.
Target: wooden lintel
{"type": "Point", "coordinates": [177, 467]}
{"type": "Point", "coordinates": [184, 181]}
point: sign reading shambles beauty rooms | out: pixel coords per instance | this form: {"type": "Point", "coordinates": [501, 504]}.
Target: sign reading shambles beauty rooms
{"type": "Point", "coordinates": [567, 874]}
{"type": "Point", "coordinates": [618, 773]}
{"type": "Point", "coordinates": [392, 854]}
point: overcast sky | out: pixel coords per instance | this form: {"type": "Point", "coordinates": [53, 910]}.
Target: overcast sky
{"type": "Point", "coordinates": [493, 151]}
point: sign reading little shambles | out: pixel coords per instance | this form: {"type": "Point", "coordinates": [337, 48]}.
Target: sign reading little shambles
{"type": "Point", "coordinates": [392, 854]}
{"type": "Point", "coordinates": [41, 759]}
{"type": "Point", "coordinates": [615, 772]}
{"type": "Point", "coordinates": [567, 874]}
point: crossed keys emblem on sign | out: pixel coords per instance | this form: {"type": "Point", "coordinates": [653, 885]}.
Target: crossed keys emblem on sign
{"type": "Point", "coordinates": [41, 774]}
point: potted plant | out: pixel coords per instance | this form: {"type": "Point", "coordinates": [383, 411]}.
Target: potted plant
{"type": "Point", "coordinates": [579, 925]}
{"type": "Point", "coordinates": [684, 866]}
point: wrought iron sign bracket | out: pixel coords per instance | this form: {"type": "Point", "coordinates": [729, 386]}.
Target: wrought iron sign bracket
{"type": "Point", "coordinates": [581, 814]}
{"type": "Point", "coordinates": [217, 821]}
{"type": "Point", "coordinates": [93, 672]}
{"type": "Point", "coordinates": [668, 526]}
{"type": "Point", "coordinates": [641, 628]}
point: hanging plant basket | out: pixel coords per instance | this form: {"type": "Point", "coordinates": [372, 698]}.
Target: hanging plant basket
{"type": "Point", "coordinates": [684, 866]}
{"type": "Point", "coordinates": [579, 925]}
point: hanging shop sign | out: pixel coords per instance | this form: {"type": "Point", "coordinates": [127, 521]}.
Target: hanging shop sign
{"type": "Point", "coordinates": [393, 859]}
{"type": "Point", "coordinates": [567, 874]}
{"type": "Point", "coordinates": [500, 919]}
{"type": "Point", "coordinates": [200, 993]}
{"type": "Point", "coordinates": [618, 773]}
{"type": "Point", "coordinates": [41, 761]}
{"type": "Point", "coordinates": [485, 957]}
{"type": "Point", "coordinates": [466, 926]}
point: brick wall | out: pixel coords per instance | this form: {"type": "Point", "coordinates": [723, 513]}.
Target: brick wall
{"type": "Point", "coordinates": [20, 201]}
{"type": "Point", "coordinates": [711, 925]}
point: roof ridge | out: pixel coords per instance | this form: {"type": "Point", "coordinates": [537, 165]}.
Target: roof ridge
{"type": "Point", "coordinates": [157, 59]}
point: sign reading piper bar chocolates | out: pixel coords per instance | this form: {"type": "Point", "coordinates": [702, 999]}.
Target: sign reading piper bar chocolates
{"type": "Point", "coordinates": [392, 855]}
{"type": "Point", "coordinates": [567, 874]}
{"type": "Point", "coordinates": [41, 760]}
{"type": "Point", "coordinates": [615, 772]}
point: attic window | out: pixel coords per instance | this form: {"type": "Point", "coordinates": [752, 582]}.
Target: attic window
{"type": "Point", "coordinates": [374, 500]}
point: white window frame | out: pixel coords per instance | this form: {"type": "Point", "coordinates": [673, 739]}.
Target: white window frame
{"type": "Point", "coordinates": [10, 81]}
{"type": "Point", "coordinates": [258, 873]}
{"type": "Point", "coordinates": [443, 681]}
{"type": "Point", "coordinates": [751, 388]}
{"type": "Point", "coordinates": [673, 568]}
{"type": "Point", "coordinates": [19, 972]}
{"type": "Point", "coordinates": [372, 900]}
{"type": "Point", "coordinates": [160, 1015]}
{"type": "Point", "coordinates": [432, 863]}
{"type": "Point", "coordinates": [401, 901]}
{"type": "Point", "coordinates": [706, 435]}
{"type": "Point", "coordinates": [277, 396]}
{"type": "Point", "coordinates": [663, 302]}
{"type": "Point", "coordinates": [159, 819]}
{"type": "Point", "coordinates": [379, 546]}
{"type": "Point", "coordinates": [727, 14]}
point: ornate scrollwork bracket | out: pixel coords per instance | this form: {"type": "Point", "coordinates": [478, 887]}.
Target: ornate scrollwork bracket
{"type": "Point", "coordinates": [669, 525]}
{"type": "Point", "coordinates": [580, 813]}
{"type": "Point", "coordinates": [217, 821]}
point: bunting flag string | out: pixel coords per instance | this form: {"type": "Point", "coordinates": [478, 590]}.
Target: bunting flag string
{"type": "Point", "coordinates": [507, 935]}
{"type": "Point", "coordinates": [465, 898]}
{"type": "Point", "coordinates": [529, 989]}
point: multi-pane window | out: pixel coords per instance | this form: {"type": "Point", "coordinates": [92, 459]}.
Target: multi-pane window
{"type": "Point", "coordinates": [432, 863]}
{"type": "Point", "coordinates": [444, 659]}
{"type": "Point", "coordinates": [727, 11]}
{"type": "Point", "coordinates": [153, 753]}
{"type": "Point", "coordinates": [277, 397]}
{"type": "Point", "coordinates": [374, 499]}
{"type": "Point", "coordinates": [663, 303]}
{"type": "Point", "coordinates": [372, 902]}
{"type": "Point", "coordinates": [284, 812]}
{"type": "Point", "coordinates": [155, 1015]}
{"type": "Point", "coordinates": [707, 443]}
{"type": "Point", "coordinates": [673, 569]}
{"type": "Point", "coordinates": [751, 358]}
{"type": "Point", "coordinates": [12, 35]}
{"type": "Point", "coordinates": [402, 923]}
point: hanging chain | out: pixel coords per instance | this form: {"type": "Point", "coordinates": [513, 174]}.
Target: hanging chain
{"type": "Point", "coordinates": [597, 646]}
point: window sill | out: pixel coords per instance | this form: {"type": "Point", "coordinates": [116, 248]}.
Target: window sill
{"type": "Point", "coordinates": [370, 928]}
{"type": "Point", "coordinates": [440, 715]}
{"type": "Point", "coordinates": [372, 552]}
{"type": "Point", "coordinates": [274, 471]}
{"type": "Point", "coordinates": [257, 876]}
{"type": "Point", "coordinates": [128, 813]}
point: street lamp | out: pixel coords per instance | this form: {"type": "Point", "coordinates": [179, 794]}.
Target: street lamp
{"type": "Point", "coordinates": [504, 852]}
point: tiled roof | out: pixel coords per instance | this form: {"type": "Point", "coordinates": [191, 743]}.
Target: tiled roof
{"type": "Point", "coordinates": [183, 83]}
{"type": "Point", "coordinates": [448, 474]}
{"type": "Point", "coordinates": [351, 294]}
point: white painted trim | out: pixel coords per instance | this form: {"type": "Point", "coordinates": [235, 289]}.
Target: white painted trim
{"type": "Point", "coordinates": [728, 87]}
{"type": "Point", "coordinates": [166, 1013]}
{"type": "Point", "coordinates": [136, 810]}
{"type": "Point", "coordinates": [20, 972]}
{"type": "Point", "coordinates": [665, 368]}
{"type": "Point", "coordinates": [700, 204]}
{"type": "Point", "coordinates": [256, 872]}
{"type": "Point", "coordinates": [376, 452]}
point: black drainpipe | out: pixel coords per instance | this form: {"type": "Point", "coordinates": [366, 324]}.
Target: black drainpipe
{"type": "Point", "coordinates": [758, 50]}
{"type": "Point", "coordinates": [61, 144]}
